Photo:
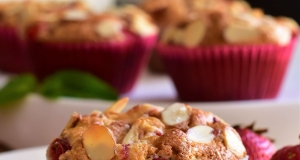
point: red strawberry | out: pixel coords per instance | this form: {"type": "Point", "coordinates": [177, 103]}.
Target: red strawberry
{"type": "Point", "coordinates": [258, 147]}
{"type": "Point", "coordinates": [288, 153]}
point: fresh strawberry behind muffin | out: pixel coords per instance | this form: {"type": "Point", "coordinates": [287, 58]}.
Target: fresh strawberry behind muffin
{"type": "Point", "coordinates": [113, 45]}
{"type": "Point", "coordinates": [257, 145]}
{"type": "Point", "coordinates": [291, 152]}
{"type": "Point", "coordinates": [226, 50]}
{"type": "Point", "coordinates": [147, 132]}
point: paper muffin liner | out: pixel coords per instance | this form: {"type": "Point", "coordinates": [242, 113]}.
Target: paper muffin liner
{"type": "Point", "coordinates": [227, 72]}
{"type": "Point", "coordinates": [13, 51]}
{"type": "Point", "coordinates": [118, 63]}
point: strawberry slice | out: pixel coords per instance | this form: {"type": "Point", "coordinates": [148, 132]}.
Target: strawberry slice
{"type": "Point", "coordinates": [258, 147]}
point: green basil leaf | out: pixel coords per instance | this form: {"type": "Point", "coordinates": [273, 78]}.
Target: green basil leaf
{"type": "Point", "coordinates": [77, 84]}
{"type": "Point", "coordinates": [17, 88]}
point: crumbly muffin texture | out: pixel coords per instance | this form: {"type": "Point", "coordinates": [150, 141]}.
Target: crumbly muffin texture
{"type": "Point", "coordinates": [147, 132]}
{"type": "Point", "coordinates": [192, 23]}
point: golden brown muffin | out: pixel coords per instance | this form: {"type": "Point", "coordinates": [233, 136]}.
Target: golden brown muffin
{"type": "Point", "coordinates": [147, 132]}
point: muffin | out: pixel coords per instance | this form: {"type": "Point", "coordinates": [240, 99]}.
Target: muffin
{"type": "Point", "coordinates": [12, 45]}
{"type": "Point", "coordinates": [113, 45]}
{"type": "Point", "coordinates": [147, 132]}
{"type": "Point", "coordinates": [217, 50]}
{"type": "Point", "coordinates": [15, 17]}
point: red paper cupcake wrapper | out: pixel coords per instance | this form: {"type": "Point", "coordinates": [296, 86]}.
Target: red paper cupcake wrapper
{"type": "Point", "coordinates": [223, 73]}
{"type": "Point", "coordinates": [119, 64]}
{"type": "Point", "coordinates": [13, 51]}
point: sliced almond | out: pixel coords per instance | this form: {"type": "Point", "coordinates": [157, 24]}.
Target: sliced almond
{"type": "Point", "coordinates": [235, 33]}
{"type": "Point", "coordinates": [177, 36]}
{"type": "Point", "coordinates": [131, 136]}
{"type": "Point", "coordinates": [98, 142]}
{"type": "Point", "coordinates": [131, 115]}
{"type": "Point", "coordinates": [153, 106]}
{"type": "Point", "coordinates": [194, 34]}
{"type": "Point", "coordinates": [108, 28]}
{"type": "Point", "coordinates": [118, 106]}
{"type": "Point", "coordinates": [201, 134]}
{"type": "Point", "coordinates": [144, 129]}
{"type": "Point", "coordinates": [75, 15]}
{"type": "Point", "coordinates": [234, 143]}
{"type": "Point", "coordinates": [96, 113]}
{"type": "Point", "coordinates": [73, 120]}
{"type": "Point", "coordinates": [175, 114]}
{"type": "Point", "coordinates": [167, 35]}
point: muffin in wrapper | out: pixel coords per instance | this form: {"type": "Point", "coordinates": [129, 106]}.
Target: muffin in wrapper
{"type": "Point", "coordinates": [13, 50]}
{"type": "Point", "coordinates": [16, 16]}
{"type": "Point", "coordinates": [117, 58]}
{"type": "Point", "coordinates": [119, 64]}
{"type": "Point", "coordinates": [222, 73]}
{"type": "Point", "coordinates": [13, 46]}
{"type": "Point", "coordinates": [226, 50]}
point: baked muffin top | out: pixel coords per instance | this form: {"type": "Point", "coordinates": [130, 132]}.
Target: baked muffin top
{"type": "Point", "coordinates": [193, 23]}
{"type": "Point", "coordinates": [19, 14]}
{"type": "Point", "coordinates": [147, 132]}
{"type": "Point", "coordinates": [18, 11]}
{"type": "Point", "coordinates": [78, 24]}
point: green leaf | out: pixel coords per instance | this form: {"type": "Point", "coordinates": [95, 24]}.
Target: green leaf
{"type": "Point", "coordinates": [17, 88]}
{"type": "Point", "coordinates": [76, 84]}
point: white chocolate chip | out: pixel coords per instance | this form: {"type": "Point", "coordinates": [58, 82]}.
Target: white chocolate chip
{"type": "Point", "coordinates": [235, 33]}
{"type": "Point", "coordinates": [75, 15]}
{"type": "Point", "coordinates": [142, 26]}
{"type": "Point", "coordinates": [108, 28]}
{"type": "Point", "coordinates": [283, 35]}
{"type": "Point", "coordinates": [277, 33]}
{"type": "Point", "coordinates": [234, 143]}
{"type": "Point", "coordinates": [245, 158]}
{"type": "Point", "coordinates": [175, 114]}
{"type": "Point", "coordinates": [201, 134]}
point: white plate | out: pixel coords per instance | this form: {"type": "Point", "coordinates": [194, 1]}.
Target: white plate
{"type": "Point", "coordinates": [37, 153]}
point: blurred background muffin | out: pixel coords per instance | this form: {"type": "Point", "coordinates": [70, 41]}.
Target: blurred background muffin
{"type": "Point", "coordinates": [12, 44]}
{"type": "Point", "coordinates": [218, 50]}
{"type": "Point", "coordinates": [113, 45]}
{"type": "Point", "coordinates": [15, 17]}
